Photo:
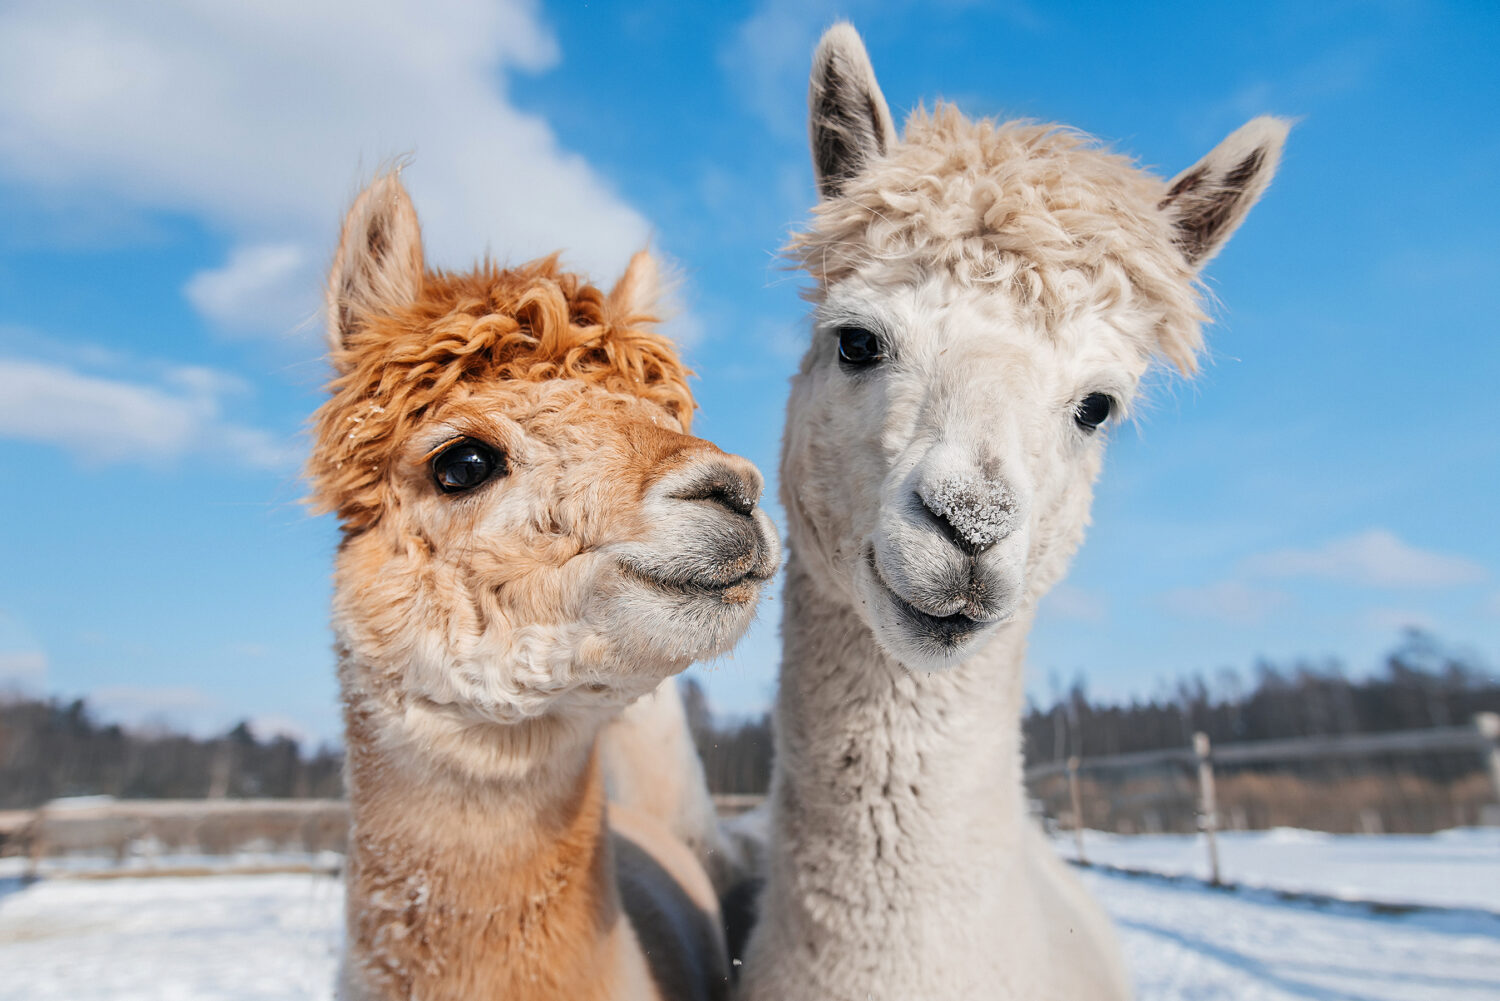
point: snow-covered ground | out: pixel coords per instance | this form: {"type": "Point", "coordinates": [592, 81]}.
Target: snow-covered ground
{"type": "Point", "coordinates": [213, 938]}
{"type": "Point", "coordinates": [163, 863]}
{"type": "Point", "coordinates": [1458, 868]}
{"type": "Point", "coordinates": [235, 938]}
{"type": "Point", "coordinates": [1189, 943]}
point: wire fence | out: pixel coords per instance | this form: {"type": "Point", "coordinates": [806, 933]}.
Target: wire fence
{"type": "Point", "coordinates": [1411, 781]}
{"type": "Point", "coordinates": [1414, 781]}
{"type": "Point", "coordinates": [101, 836]}
{"type": "Point", "coordinates": [97, 837]}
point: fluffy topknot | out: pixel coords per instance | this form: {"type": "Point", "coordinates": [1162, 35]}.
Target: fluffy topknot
{"type": "Point", "coordinates": [1039, 209]}
{"type": "Point", "coordinates": [528, 324]}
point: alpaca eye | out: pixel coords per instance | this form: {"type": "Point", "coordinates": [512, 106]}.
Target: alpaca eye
{"type": "Point", "coordinates": [1093, 410]}
{"type": "Point", "coordinates": [465, 465]}
{"type": "Point", "coordinates": [858, 347]}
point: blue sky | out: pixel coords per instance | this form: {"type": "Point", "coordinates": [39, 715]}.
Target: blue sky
{"type": "Point", "coordinates": [172, 175]}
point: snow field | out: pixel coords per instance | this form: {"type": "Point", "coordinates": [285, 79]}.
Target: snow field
{"type": "Point", "coordinates": [1457, 868]}
{"type": "Point", "coordinates": [247, 938]}
{"type": "Point", "coordinates": [215, 938]}
{"type": "Point", "coordinates": [1191, 943]}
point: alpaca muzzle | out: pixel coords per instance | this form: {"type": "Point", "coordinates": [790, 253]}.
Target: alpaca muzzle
{"type": "Point", "coordinates": [713, 539]}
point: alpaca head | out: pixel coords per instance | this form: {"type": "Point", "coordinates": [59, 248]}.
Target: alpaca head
{"type": "Point", "coordinates": [528, 530]}
{"type": "Point", "coordinates": [987, 299]}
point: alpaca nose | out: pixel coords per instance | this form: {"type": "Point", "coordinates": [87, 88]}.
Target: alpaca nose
{"type": "Point", "coordinates": [975, 511]}
{"type": "Point", "coordinates": [718, 538]}
{"type": "Point", "coordinates": [724, 480]}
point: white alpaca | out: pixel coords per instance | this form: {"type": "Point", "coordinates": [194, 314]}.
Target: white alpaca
{"type": "Point", "coordinates": [987, 300]}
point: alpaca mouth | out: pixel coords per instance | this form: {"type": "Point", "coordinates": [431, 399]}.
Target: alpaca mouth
{"type": "Point", "coordinates": [718, 560]}
{"type": "Point", "coordinates": [737, 588]}
{"type": "Point", "coordinates": [946, 630]}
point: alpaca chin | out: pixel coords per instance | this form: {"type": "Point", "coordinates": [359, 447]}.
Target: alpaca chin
{"type": "Point", "coordinates": [922, 641]}
{"type": "Point", "coordinates": [666, 629]}
{"type": "Point", "coordinates": [930, 603]}
{"type": "Point", "coordinates": [688, 628]}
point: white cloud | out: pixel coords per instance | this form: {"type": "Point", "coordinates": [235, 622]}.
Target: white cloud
{"type": "Point", "coordinates": [99, 419]}
{"type": "Point", "coordinates": [1075, 604]}
{"type": "Point", "coordinates": [26, 669]}
{"type": "Point", "coordinates": [262, 288]}
{"type": "Point", "coordinates": [263, 119]}
{"type": "Point", "coordinates": [1228, 601]}
{"type": "Point", "coordinates": [1377, 558]}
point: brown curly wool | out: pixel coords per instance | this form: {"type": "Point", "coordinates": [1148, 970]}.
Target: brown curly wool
{"type": "Point", "coordinates": [531, 323]}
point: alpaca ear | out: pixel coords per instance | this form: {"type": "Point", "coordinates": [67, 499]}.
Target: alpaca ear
{"type": "Point", "coordinates": [1209, 200]}
{"type": "Point", "coordinates": [378, 267]}
{"type": "Point", "coordinates": [638, 292]}
{"type": "Point", "coordinates": [849, 122]}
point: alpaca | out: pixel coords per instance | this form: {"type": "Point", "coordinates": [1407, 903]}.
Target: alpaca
{"type": "Point", "coordinates": [987, 299]}
{"type": "Point", "coordinates": [531, 540]}
{"type": "Point", "coordinates": [652, 767]}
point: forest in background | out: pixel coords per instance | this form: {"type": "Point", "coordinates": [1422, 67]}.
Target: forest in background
{"type": "Point", "coordinates": [1420, 683]}
{"type": "Point", "coordinates": [52, 748]}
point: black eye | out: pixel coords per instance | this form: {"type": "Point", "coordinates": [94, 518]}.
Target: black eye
{"type": "Point", "coordinates": [1093, 410]}
{"type": "Point", "coordinates": [464, 465]}
{"type": "Point", "coordinates": [858, 347]}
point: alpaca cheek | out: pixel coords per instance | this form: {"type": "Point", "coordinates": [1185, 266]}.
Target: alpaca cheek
{"type": "Point", "coordinates": [818, 506]}
{"type": "Point", "coordinates": [1061, 533]}
{"type": "Point", "coordinates": [377, 618]}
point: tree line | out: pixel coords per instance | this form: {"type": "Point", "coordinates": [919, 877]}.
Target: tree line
{"type": "Point", "coordinates": [1420, 683]}
{"type": "Point", "coordinates": [51, 748]}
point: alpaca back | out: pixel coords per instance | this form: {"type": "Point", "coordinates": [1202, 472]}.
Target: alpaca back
{"type": "Point", "coordinates": [672, 908]}
{"type": "Point", "coordinates": [651, 766]}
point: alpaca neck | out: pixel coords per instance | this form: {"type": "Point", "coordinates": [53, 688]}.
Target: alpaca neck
{"type": "Point", "coordinates": [851, 716]}
{"type": "Point", "coordinates": [897, 801]}
{"type": "Point", "coordinates": [463, 886]}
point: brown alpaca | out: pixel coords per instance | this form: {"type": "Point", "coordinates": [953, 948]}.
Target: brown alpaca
{"type": "Point", "coordinates": [530, 542]}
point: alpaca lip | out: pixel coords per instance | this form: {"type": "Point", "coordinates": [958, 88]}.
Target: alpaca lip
{"type": "Point", "coordinates": [949, 630]}
{"type": "Point", "coordinates": [736, 591]}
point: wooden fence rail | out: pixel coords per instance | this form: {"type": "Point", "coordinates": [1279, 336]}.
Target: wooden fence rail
{"type": "Point", "coordinates": [119, 828]}
{"type": "Point", "coordinates": [1481, 738]}
{"type": "Point", "coordinates": [217, 826]}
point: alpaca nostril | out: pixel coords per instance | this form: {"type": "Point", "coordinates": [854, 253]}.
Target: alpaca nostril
{"type": "Point", "coordinates": [951, 533]}
{"type": "Point", "coordinates": [728, 498]}
{"type": "Point", "coordinates": [724, 486]}
{"type": "Point", "coordinates": [974, 513]}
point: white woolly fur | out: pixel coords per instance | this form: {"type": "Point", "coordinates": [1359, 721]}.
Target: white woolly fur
{"type": "Point", "coordinates": [1008, 273]}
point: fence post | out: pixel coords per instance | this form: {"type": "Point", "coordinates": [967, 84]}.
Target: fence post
{"type": "Point", "coordinates": [1077, 798]}
{"type": "Point", "coordinates": [1209, 818]}
{"type": "Point", "coordinates": [36, 843]}
{"type": "Point", "coordinates": [219, 770]}
{"type": "Point", "coordinates": [1488, 725]}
